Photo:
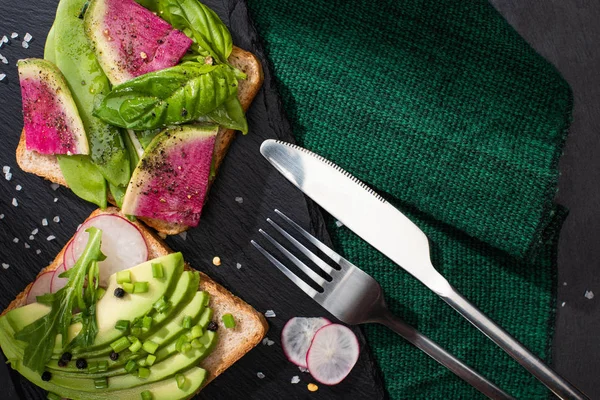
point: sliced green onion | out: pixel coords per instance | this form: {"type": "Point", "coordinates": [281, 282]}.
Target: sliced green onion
{"type": "Point", "coordinates": [180, 379]}
{"type": "Point", "coordinates": [128, 287]}
{"type": "Point", "coordinates": [146, 395]}
{"type": "Point", "coordinates": [186, 347]}
{"type": "Point", "coordinates": [196, 331]}
{"type": "Point", "coordinates": [122, 325]}
{"type": "Point", "coordinates": [100, 292]}
{"type": "Point", "coordinates": [147, 323]}
{"type": "Point", "coordinates": [180, 342]}
{"type": "Point", "coordinates": [136, 331]}
{"type": "Point", "coordinates": [161, 304]}
{"type": "Point", "coordinates": [101, 383]}
{"type": "Point", "coordinates": [53, 396]}
{"type": "Point", "coordinates": [143, 373]}
{"type": "Point", "coordinates": [150, 360]}
{"type": "Point", "coordinates": [130, 366]}
{"type": "Point", "coordinates": [140, 287]}
{"type": "Point", "coordinates": [205, 339]}
{"type": "Point", "coordinates": [150, 347]}
{"type": "Point", "coordinates": [196, 344]}
{"type": "Point", "coordinates": [124, 276]}
{"type": "Point", "coordinates": [142, 363]}
{"type": "Point", "coordinates": [102, 366]}
{"type": "Point", "coordinates": [187, 322]}
{"type": "Point", "coordinates": [120, 344]}
{"type": "Point", "coordinates": [228, 321]}
{"type": "Point", "coordinates": [135, 346]}
{"type": "Point", "coordinates": [92, 367]}
{"type": "Point", "coordinates": [157, 270]}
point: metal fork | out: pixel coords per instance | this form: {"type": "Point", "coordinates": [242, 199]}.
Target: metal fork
{"type": "Point", "coordinates": [354, 297]}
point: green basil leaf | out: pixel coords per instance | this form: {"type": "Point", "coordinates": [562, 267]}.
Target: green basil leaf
{"type": "Point", "coordinates": [167, 97]}
{"type": "Point", "coordinates": [230, 115]}
{"type": "Point", "coordinates": [84, 178]}
{"type": "Point", "coordinates": [201, 24]}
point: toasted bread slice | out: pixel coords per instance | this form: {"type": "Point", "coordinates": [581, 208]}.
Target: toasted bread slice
{"type": "Point", "coordinates": [47, 167]}
{"type": "Point", "coordinates": [251, 326]}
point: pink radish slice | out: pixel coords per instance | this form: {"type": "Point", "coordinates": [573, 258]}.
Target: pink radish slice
{"type": "Point", "coordinates": [68, 259]}
{"type": "Point", "coordinates": [40, 286]}
{"type": "Point", "coordinates": [122, 244]}
{"type": "Point", "coordinates": [297, 335]}
{"type": "Point", "coordinates": [58, 283]}
{"type": "Point", "coordinates": [332, 354]}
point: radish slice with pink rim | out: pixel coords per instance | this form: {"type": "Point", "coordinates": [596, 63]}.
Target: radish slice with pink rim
{"type": "Point", "coordinates": [58, 283]}
{"type": "Point", "coordinates": [68, 258]}
{"type": "Point", "coordinates": [296, 336]}
{"type": "Point", "coordinates": [332, 354]}
{"type": "Point", "coordinates": [40, 286]}
{"type": "Point", "coordinates": [122, 244]}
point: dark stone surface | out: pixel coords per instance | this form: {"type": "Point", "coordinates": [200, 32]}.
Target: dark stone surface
{"type": "Point", "coordinates": [567, 33]}
{"type": "Point", "coordinates": [225, 230]}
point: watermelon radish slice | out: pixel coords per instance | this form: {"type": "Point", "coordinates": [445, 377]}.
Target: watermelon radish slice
{"type": "Point", "coordinates": [332, 354]}
{"type": "Point", "coordinates": [297, 335]}
{"type": "Point", "coordinates": [40, 286]}
{"type": "Point", "coordinates": [122, 244]}
{"type": "Point", "coordinates": [58, 283]}
{"type": "Point", "coordinates": [51, 121]}
{"type": "Point", "coordinates": [129, 40]}
{"type": "Point", "coordinates": [171, 179]}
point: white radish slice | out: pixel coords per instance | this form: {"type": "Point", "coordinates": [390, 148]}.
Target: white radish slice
{"type": "Point", "coordinates": [40, 286]}
{"type": "Point", "coordinates": [122, 244]}
{"type": "Point", "coordinates": [68, 259]}
{"type": "Point", "coordinates": [58, 283]}
{"type": "Point", "coordinates": [332, 354]}
{"type": "Point", "coordinates": [296, 336]}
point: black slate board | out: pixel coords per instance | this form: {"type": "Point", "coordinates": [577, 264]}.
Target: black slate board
{"type": "Point", "coordinates": [225, 230]}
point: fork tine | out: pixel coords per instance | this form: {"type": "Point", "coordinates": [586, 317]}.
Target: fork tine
{"type": "Point", "coordinates": [299, 282]}
{"type": "Point", "coordinates": [316, 242]}
{"type": "Point", "coordinates": [312, 274]}
{"type": "Point", "coordinates": [312, 256]}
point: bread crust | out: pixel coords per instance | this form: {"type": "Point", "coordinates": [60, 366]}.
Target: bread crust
{"type": "Point", "coordinates": [251, 326]}
{"type": "Point", "coordinates": [47, 166]}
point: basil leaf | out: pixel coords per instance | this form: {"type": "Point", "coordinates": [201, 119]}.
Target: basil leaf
{"type": "Point", "coordinates": [201, 24]}
{"type": "Point", "coordinates": [230, 115]}
{"type": "Point", "coordinates": [170, 96]}
{"type": "Point", "coordinates": [84, 178]}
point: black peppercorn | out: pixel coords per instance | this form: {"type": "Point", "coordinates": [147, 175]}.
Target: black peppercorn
{"type": "Point", "coordinates": [212, 326]}
{"type": "Point", "coordinates": [119, 292]}
{"type": "Point", "coordinates": [81, 363]}
{"type": "Point", "coordinates": [46, 376]}
{"type": "Point", "coordinates": [114, 356]}
{"type": "Point", "coordinates": [66, 357]}
{"type": "Point", "coordinates": [62, 363]}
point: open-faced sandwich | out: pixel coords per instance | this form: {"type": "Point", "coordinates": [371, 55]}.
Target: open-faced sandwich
{"type": "Point", "coordinates": [136, 104]}
{"type": "Point", "coordinates": [117, 315]}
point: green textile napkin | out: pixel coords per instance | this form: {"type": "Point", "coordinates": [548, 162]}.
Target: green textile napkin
{"type": "Point", "coordinates": [444, 109]}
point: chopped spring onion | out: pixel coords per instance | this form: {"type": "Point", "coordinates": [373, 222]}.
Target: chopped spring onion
{"type": "Point", "coordinates": [143, 373]}
{"type": "Point", "coordinates": [149, 346]}
{"type": "Point", "coordinates": [120, 344]}
{"type": "Point", "coordinates": [150, 360]}
{"type": "Point", "coordinates": [124, 277]}
{"type": "Point", "coordinates": [101, 383]}
{"type": "Point", "coordinates": [128, 287]}
{"type": "Point", "coordinates": [157, 270]}
{"type": "Point", "coordinates": [180, 342]}
{"type": "Point", "coordinates": [196, 331]}
{"type": "Point", "coordinates": [122, 325]}
{"type": "Point", "coordinates": [146, 395]}
{"type": "Point", "coordinates": [135, 346]}
{"type": "Point", "coordinates": [196, 344]}
{"type": "Point", "coordinates": [140, 287]}
{"type": "Point", "coordinates": [146, 323]}
{"type": "Point", "coordinates": [187, 322]}
{"type": "Point", "coordinates": [102, 366]}
{"type": "Point", "coordinates": [130, 366]}
{"type": "Point", "coordinates": [228, 321]}
{"type": "Point", "coordinates": [180, 379]}
{"type": "Point", "coordinates": [136, 331]}
{"type": "Point", "coordinates": [93, 367]}
{"type": "Point", "coordinates": [161, 304]}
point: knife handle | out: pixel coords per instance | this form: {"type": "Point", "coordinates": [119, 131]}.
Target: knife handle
{"type": "Point", "coordinates": [557, 384]}
{"type": "Point", "coordinates": [442, 356]}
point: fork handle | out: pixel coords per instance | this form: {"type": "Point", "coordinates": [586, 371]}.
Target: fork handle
{"type": "Point", "coordinates": [442, 356]}
{"type": "Point", "coordinates": [557, 384]}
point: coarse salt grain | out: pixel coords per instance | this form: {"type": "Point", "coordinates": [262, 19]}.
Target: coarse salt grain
{"type": "Point", "coordinates": [4, 39]}
{"type": "Point", "coordinates": [27, 245]}
{"type": "Point", "coordinates": [35, 231]}
{"type": "Point", "coordinates": [51, 237]}
{"type": "Point", "coordinates": [5, 265]}
{"type": "Point", "coordinates": [264, 341]}
{"type": "Point", "coordinates": [55, 199]}
{"type": "Point", "coordinates": [238, 266]}
{"type": "Point", "coordinates": [1, 216]}
{"type": "Point", "coordinates": [5, 169]}
{"type": "Point", "coordinates": [16, 240]}
{"type": "Point", "coordinates": [295, 379]}
{"type": "Point", "coordinates": [239, 199]}
{"type": "Point", "coordinates": [270, 314]}
{"type": "Point", "coordinates": [338, 223]}
{"type": "Point", "coordinates": [38, 251]}
{"type": "Point", "coordinates": [15, 202]}
{"type": "Point", "coordinates": [18, 188]}
{"type": "Point", "coordinates": [31, 237]}
{"type": "Point", "coordinates": [260, 375]}
{"type": "Point", "coordinates": [56, 219]}
{"type": "Point", "coordinates": [8, 176]}
{"type": "Point", "coordinates": [270, 342]}
{"type": "Point", "coordinates": [14, 35]}
{"type": "Point", "coordinates": [302, 369]}
{"type": "Point", "coordinates": [589, 294]}
{"type": "Point", "coordinates": [564, 283]}
{"type": "Point", "coordinates": [45, 222]}
{"type": "Point", "coordinates": [217, 261]}
{"type": "Point", "coordinates": [2, 76]}
{"type": "Point", "coordinates": [27, 37]}
{"type": "Point", "coordinates": [563, 303]}
{"type": "Point", "coordinates": [4, 60]}
{"type": "Point", "coordinates": [54, 186]}
{"type": "Point", "coordinates": [183, 235]}
{"type": "Point", "coordinates": [25, 45]}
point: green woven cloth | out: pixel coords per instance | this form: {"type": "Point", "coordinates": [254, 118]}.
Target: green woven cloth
{"type": "Point", "coordinates": [444, 109]}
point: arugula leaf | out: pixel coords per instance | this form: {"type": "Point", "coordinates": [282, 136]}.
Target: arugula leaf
{"type": "Point", "coordinates": [201, 24]}
{"type": "Point", "coordinates": [40, 335]}
{"type": "Point", "coordinates": [170, 96]}
{"type": "Point", "coordinates": [230, 115]}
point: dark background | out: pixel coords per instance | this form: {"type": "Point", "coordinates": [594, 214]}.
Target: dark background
{"type": "Point", "coordinates": [567, 33]}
